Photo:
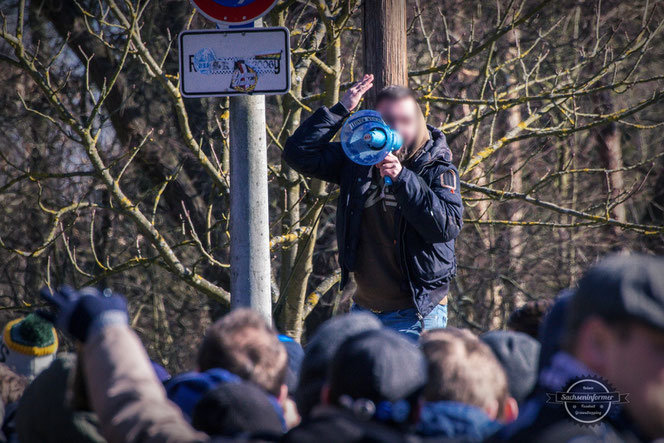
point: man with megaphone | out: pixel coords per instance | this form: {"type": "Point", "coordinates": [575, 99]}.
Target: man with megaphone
{"type": "Point", "coordinates": [397, 219]}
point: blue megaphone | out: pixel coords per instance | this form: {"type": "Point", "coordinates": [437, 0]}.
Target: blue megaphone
{"type": "Point", "coordinates": [367, 139]}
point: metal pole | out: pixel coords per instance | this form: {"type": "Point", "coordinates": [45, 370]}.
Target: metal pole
{"type": "Point", "coordinates": [249, 223]}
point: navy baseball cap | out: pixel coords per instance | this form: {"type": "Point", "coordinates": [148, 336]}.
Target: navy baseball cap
{"type": "Point", "coordinates": [621, 288]}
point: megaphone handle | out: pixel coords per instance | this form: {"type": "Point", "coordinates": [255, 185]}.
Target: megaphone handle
{"type": "Point", "coordinates": [388, 181]}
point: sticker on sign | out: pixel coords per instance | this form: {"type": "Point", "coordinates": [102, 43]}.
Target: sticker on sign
{"type": "Point", "coordinates": [232, 62]}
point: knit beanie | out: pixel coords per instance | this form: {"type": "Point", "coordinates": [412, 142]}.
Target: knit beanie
{"type": "Point", "coordinates": [29, 345]}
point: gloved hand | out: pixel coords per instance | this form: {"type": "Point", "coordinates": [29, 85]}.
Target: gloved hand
{"type": "Point", "coordinates": [84, 313]}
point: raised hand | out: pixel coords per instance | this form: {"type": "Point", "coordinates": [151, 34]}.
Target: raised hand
{"type": "Point", "coordinates": [354, 94]}
{"type": "Point", "coordinates": [82, 313]}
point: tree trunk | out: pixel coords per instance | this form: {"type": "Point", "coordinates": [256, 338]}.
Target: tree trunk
{"type": "Point", "coordinates": [384, 30]}
{"type": "Point", "coordinates": [610, 151]}
{"type": "Point", "coordinates": [516, 234]}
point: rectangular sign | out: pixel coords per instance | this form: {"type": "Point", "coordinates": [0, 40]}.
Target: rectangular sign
{"type": "Point", "coordinates": [221, 62]}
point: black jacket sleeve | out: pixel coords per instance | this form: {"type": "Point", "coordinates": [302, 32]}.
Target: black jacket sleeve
{"type": "Point", "coordinates": [435, 211]}
{"type": "Point", "coordinates": [309, 150]}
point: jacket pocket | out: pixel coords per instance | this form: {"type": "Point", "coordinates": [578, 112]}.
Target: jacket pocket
{"type": "Point", "coordinates": [431, 263]}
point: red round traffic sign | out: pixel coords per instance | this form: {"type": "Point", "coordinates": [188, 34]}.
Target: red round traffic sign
{"type": "Point", "coordinates": [233, 12]}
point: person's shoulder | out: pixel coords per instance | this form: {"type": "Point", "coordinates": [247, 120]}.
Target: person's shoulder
{"type": "Point", "coordinates": [440, 161]}
{"type": "Point", "coordinates": [446, 176]}
{"type": "Point", "coordinates": [443, 167]}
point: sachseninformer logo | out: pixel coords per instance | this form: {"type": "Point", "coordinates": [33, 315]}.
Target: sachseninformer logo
{"type": "Point", "coordinates": [588, 400]}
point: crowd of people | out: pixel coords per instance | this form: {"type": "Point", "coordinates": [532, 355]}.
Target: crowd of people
{"type": "Point", "coordinates": [354, 381]}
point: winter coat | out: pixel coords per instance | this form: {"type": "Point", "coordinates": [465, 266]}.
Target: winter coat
{"type": "Point", "coordinates": [129, 400]}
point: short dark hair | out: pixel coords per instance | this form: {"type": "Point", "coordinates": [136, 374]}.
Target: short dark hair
{"type": "Point", "coordinates": [243, 343]}
{"type": "Point", "coordinates": [528, 317]}
{"type": "Point", "coordinates": [395, 92]}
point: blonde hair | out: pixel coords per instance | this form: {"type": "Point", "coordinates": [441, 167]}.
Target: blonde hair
{"type": "Point", "coordinates": [462, 369]}
{"type": "Point", "coordinates": [243, 343]}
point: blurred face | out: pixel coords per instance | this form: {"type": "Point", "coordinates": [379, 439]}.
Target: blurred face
{"type": "Point", "coordinates": [632, 360]}
{"type": "Point", "coordinates": [637, 367]}
{"type": "Point", "coordinates": [401, 115]}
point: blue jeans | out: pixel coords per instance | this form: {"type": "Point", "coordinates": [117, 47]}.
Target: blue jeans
{"type": "Point", "coordinates": [406, 322]}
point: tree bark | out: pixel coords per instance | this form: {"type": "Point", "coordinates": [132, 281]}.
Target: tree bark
{"type": "Point", "coordinates": [516, 234]}
{"type": "Point", "coordinates": [385, 51]}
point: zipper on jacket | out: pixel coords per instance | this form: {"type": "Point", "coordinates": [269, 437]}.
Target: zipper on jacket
{"type": "Point", "coordinates": [342, 254]}
{"type": "Point", "coordinates": [421, 319]}
{"type": "Point", "coordinates": [404, 265]}
{"type": "Point", "coordinates": [436, 222]}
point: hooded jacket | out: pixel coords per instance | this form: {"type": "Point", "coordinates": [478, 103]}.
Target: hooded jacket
{"type": "Point", "coordinates": [428, 194]}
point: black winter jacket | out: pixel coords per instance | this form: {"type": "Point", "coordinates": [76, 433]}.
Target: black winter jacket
{"type": "Point", "coordinates": [429, 212]}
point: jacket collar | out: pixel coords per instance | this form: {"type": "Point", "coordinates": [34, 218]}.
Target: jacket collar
{"type": "Point", "coordinates": [452, 419]}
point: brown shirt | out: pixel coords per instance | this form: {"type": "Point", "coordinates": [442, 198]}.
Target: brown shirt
{"type": "Point", "coordinates": [380, 280]}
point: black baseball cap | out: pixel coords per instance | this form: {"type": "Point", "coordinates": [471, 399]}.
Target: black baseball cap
{"type": "Point", "coordinates": [319, 352]}
{"type": "Point", "coordinates": [237, 408]}
{"type": "Point", "coordinates": [379, 365]}
{"type": "Point", "coordinates": [621, 288]}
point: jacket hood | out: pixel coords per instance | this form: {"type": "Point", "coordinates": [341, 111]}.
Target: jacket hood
{"type": "Point", "coordinates": [436, 149]}
{"type": "Point", "coordinates": [455, 420]}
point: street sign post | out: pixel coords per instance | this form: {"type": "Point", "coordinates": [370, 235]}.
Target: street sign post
{"type": "Point", "coordinates": [225, 62]}
{"type": "Point", "coordinates": [233, 12]}
{"type": "Point", "coordinates": [245, 64]}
